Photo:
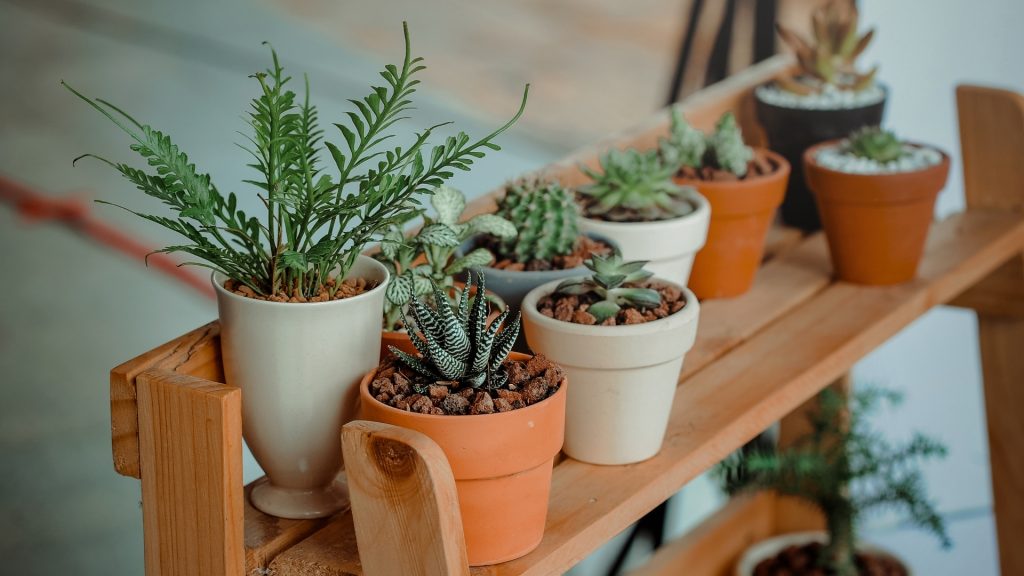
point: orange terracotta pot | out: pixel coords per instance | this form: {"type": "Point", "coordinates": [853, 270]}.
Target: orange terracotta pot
{"type": "Point", "coordinates": [741, 212]}
{"type": "Point", "coordinates": [876, 224]}
{"type": "Point", "coordinates": [502, 465]}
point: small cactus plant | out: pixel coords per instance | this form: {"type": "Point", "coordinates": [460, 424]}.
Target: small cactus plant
{"type": "Point", "coordinates": [723, 149]}
{"type": "Point", "coordinates": [876, 144]}
{"type": "Point", "coordinates": [608, 281]}
{"type": "Point", "coordinates": [635, 186]}
{"type": "Point", "coordinates": [457, 345]}
{"type": "Point", "coordinates": [830, 58]}
{"type": "Point", "coordinates": [545, 215]}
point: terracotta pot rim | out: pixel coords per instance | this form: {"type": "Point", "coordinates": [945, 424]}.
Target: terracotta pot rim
{"type": "Point", "coordinates": [700, 201]}
{"type": "Point", "coordinates": [689, 313]}
{"type": "Point", "coordinates": [218, 279]}
{"type": "Point", "coordinates": [782, 170]}
{"type": "Point", "coordinates": [883, 86]}
{"type": "Point", "coordinates": [812, 163]}
{"type": "Point", "coordinates": [364, 391]}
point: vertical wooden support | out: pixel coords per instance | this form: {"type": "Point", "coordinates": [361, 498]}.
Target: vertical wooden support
{"type": "Point", "coordinates": [992, 142]}
{"type": "Point", "coordinates": [404, 503]}
{"type": "Point", "coordinates": [190, 435]}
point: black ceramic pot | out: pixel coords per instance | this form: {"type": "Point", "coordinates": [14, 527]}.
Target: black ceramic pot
{"type": "Point", "coordinates": [790, 131]}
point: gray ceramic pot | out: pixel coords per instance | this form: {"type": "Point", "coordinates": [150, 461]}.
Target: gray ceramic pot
{"type": "Point", "coordinates": [512, 286]}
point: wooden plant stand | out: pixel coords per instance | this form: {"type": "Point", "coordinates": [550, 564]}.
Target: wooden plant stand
{"type": "Point", "coordinates": [758, 358]}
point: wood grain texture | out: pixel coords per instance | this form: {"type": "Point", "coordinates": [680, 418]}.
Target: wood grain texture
{"type": "Point", "coordinates": [404, 502]}
{"type": "Point", "coordinates": [992, 142]}
{"type": "Point", "coordinates": [727, 402]}
{"type": "Point", "coordinates": [196, 353]}
{"type": "Point", "coordinates": [999, 294]}
{"type": "Point", "coordinates": [190, 433]}
{"type": "Point", "coordinates": [267, 536]}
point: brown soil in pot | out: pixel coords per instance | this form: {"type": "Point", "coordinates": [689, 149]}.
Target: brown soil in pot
{"type": "Point", "coordinates": [761, 165]}
{"type": "Point", "coordinates": [584, 248]}
{"type": "Point", "coordinates": [802, 561]}
{"type": "Point", "coordinates": [349, 288]}
{"type": "Point", "coordinates": [529, 382]}
{"type": "Point", "coordinates": [570, 308]}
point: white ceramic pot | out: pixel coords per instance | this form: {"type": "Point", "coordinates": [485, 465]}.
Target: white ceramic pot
{"type": "Point", "coordinates": [624, 378]}
{"type": "Point", "coordinates": [299, 367]}
{"type": "Point", "coordinates": [669, 245]}
{"type": "Point", "coordinates": [770, 548]}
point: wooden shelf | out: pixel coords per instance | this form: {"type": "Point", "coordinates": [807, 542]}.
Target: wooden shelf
{"type": "Point", "coordinates": [757, 358]}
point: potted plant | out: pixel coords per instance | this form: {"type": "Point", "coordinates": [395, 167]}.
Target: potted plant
{"type": "Point", "coordinates": [499, 418]}
{"type": "Point", "coordinates": [876, 195]}
{"type": "Point", "coordinates": [621, 336]}
{"type": "Point", "coordinates": [744, 187]}
{"type": "Point", "coordinates": [844, 469]}
{"type": "Point", "coordinates": [546, 246]}
{"type": "Point", "coordinates": [826, 98]}
{"type": "Point", "coordinates": [299, 305]}
{"type": "Point", "coordinates": [432, 258]}
{"type": "Point", "coordinates": [634, 202]}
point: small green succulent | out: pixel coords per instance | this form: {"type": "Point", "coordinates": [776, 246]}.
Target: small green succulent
{"type": "Point", "coordinates": [609, 279]}
{"type": "Point", "coordinates": [457, 345]}
{"type": "Point", "coordinates": [876, 144]}
{"type": "Point", "coordinates": [723, 149]}
{"type": "Point", "coordinates": [430, 257]}
{"type": "Point", "coordinates": [635, 186]}
{"type": "Point", "coordinates": [545, 215]}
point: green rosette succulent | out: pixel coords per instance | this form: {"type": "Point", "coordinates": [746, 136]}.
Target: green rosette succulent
{"type": "Point", "coordinates": [608, 281]}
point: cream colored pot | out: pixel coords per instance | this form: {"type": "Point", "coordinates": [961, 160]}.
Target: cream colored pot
{"type": "Point", "coordinates": [771, 547]}
{"type": "Point", "coordinates": [299, 367]}
{"type": "Point", "coordinates": [669, 245]}
{"type": "Point", "coordinates": [624, 378]}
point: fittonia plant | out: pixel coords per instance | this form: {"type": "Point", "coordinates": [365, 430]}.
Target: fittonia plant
{"type": "Point", "coordinates": [608, 282]}
{"type": "Point", "coordinates": [875, 144]}
{"type": "Point", "coordinates": [457, 345]}
{"type": "Point", "coordinates": [316, 223]}
{"type": "Point", "coordinates": [546, 217]}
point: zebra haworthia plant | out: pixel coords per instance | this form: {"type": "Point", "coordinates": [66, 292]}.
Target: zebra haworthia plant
{"type": "Point", "coordinates": [608, 281]}
{"type": "Point", "coordinates": [457, 345]}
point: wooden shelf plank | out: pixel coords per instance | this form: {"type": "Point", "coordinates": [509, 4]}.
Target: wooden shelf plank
{"type": "Point", "coordinates": [726, 403]}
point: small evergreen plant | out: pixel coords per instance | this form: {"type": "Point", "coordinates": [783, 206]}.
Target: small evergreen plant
{"type": "Point", "coordinates": [845, 469]}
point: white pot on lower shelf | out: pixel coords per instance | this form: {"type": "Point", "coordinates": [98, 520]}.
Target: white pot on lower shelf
{"type": "Point", "coordinates": [299, 367]}
{"type": "Point", "coordinates": [771, 547]}
{"type": "Point", "coordinates": [669, 245]}
{"type": "Point", "coordinates": [624, 377]}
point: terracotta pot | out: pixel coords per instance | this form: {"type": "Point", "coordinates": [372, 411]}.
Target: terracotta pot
{"type": "Point", "coordinates": [741, 212]}
{"type": "Point", "coordinates": [771, 547]}
{"type": "Point", "coordinates": [669, 245]}
{"type": "Point", "coordinates": [623, 378]}
{"type": "Point", "coordinates": [299, 366]}
{"type": "Point", "coordinates": [791, 131]}
{"type": "Point", "coordinates": [502, 466]}
{"type": "Point", "coordinates": [876, 224]}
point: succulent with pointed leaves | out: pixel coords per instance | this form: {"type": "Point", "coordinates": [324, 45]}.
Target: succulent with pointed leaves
{"type": "Point", "coordinates": [723, 149]}
{"type": "Point", "coordinates": [608, 281]}
{"type": "Point", "coordinates": [457, 345]}
{"type": "Point", "coordinates": [685, 145]}
{"type": "Point", "coordinates": [546, 217]}
{"type": "Point", "coordinates": [727, 148]}
{"type": "Point", "coordinates": [429, 258]}
{"type": "Point", "coordinates": [876, 144]}
{"type": "Point", "coordinates": [830, 58]}
{"type": "Point", "coordinates": [634, 186]}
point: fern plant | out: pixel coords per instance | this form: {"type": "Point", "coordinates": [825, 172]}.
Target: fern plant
{"type": "Point", "coordinates": [845, 469]}
{"type": "Point", "coordinates": [722, 149]}
{"type": "Point", "coordinates": [430, 258]}
{"type": "Point", "coordinates": [545, 217]}
{"type": "Point", "coordinates": [873, 143]}
{"type": "Point", "coordinates": [608, 281]}
{"type": "Point", "coordinates": [316, 223]}
{"type": "Point", "coordinates": [457, 345]}
{"type": "Point", "coordinates": [635, 186]}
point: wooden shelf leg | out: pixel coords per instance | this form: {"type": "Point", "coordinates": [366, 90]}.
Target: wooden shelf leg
{"type": "Point", "coordinates": [190, 435]}
{"type": "Point", "coordinates": [404, 503]}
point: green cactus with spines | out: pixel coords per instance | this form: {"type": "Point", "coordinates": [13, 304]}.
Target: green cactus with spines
{"type": "Point", "coordinates": [610, 276]}
{"type": "Point", "coordinates": [635, 186]}
{"type": "Point", "coordinates": [456, 344]}
{"type": "Point", "coordinates": [876, 144]}
{"type": "Point", "coordinates": [546, 217]}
